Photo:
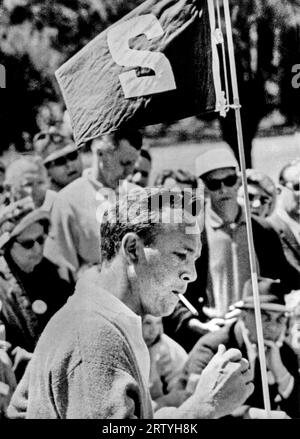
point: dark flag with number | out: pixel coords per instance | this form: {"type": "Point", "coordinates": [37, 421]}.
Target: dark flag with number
{"type": "Point", "coordinates": [158, 63]}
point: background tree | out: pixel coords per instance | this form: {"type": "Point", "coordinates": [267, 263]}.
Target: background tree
{"type": "Point", "coordinates": [36, 37]}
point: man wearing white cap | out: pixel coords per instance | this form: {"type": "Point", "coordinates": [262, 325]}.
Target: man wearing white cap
{"type": "Point", "coordinates": [225, 256]}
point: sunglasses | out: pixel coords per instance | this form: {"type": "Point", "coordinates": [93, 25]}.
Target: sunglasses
{"type": "Point", "coordinates": [293, 187]}
{"type": "Point", "coordinates": [62, 161]}
{"type": "Point", "coordinates": [28, 244]}
{"type": "Point", "coordinates": [263, 199]}
{"type": "Point", "coordinates": [214, 184]}
{"type": "Point", "coordinates": [267, 318]}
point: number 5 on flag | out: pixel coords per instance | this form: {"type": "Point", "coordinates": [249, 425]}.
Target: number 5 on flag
{"type": "Point", "coordinates": [118, 42]}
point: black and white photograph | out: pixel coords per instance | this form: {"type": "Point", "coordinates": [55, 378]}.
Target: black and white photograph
{"type": "Point", "coordinates": [149, 213]}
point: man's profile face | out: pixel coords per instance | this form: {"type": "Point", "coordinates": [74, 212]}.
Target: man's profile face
{"type": "Point", "coordinates": [222, 186]}
{"type": "Point", "coordinates": [167, 267]}
{"type": "Point", "coordinates": [290, 196]}
{"type": "Point", "coordinates": [141, 172]}
{"type": "Point", "coordinates": [115, 164]}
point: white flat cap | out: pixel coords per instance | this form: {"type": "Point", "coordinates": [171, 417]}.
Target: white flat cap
{"type": "Point", "coordinates": [215, 158]}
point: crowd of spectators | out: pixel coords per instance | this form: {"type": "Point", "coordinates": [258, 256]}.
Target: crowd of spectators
{"type": "Point", "coordinates": [51, 211]}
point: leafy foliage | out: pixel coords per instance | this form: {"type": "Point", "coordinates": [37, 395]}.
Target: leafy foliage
{"type": "Point", "coordinates": [37, 36]}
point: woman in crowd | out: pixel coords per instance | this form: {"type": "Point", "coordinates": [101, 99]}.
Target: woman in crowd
{"type": "Point", "coordinates": [31, 290]}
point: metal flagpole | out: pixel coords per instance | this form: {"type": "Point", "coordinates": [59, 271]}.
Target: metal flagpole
{"type": "Point", "coordinates": [237, 107]}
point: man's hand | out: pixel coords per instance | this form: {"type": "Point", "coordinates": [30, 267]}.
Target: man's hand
{"type": "Point", "coordinates": [210, 326]}
{"type": "Point", "coordinates": [216, 321]}
{"type": "Point", "coordinates": [274, 361]}
{"type": "Point", "coordinates": [224, 385]}
{"type": "Point", "coordinates": [20, 355]}
{"type": "Point", "coordinates": [5, 345]}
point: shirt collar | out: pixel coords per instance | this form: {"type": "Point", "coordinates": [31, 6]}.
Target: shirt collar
{"type": "Point", "coordinates": [216, 222]}
{"type": "Point", "coordinates": [88, 175]}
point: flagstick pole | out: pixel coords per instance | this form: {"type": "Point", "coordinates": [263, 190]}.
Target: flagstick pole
{"type": "Point", "coordinates": [254, 276]}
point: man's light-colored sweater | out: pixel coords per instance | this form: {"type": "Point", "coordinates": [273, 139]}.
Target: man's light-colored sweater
{"type": "Point", "coordinates": [74, 239]}
{"type": "Point", "coordinates": [91, 362]}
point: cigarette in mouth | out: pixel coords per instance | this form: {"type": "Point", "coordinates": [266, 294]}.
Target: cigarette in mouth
{"type": "Point", "coordinates": [188, 305]}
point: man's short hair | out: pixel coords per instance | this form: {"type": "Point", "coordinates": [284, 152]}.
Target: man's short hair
{"type": "Point", "coordinates": [140, 212]}
{"type": "Point", "coordinates": [291, 164]}
{"type": "Point", "coordinates": [134, 137]}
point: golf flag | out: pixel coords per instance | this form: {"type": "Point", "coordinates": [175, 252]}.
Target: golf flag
{"type": "Point", "coordinates": [158, 63]}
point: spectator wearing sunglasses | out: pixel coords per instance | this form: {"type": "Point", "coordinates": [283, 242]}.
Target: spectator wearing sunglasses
{"type": "Point", "coordinates": [225, 255]}
{"type": "Point", "coordinates": [262, 193]}
{"type": "Point", "coordinates": [286, 218]}
{"type": "Point", "coordinates": [31, 290]}
{"type": "Point", "coordinates": [77, 210]}
{"type": "Point", "coordinates": [60, 157]}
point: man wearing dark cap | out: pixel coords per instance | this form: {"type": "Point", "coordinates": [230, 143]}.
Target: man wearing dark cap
{"type": "Point", "coordinates": [61, 158]}
{"type": "Point", "coordinates": [282, 365]}
{"type": "Point", "coordinates": [76, 216]}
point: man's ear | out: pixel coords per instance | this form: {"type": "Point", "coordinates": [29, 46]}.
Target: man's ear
{"type": "Point", "coordinates": [132, 247]}
{"type": "Point", "coordinates": [279, 189]}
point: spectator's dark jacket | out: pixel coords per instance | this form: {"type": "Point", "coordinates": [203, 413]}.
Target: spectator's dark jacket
{"type": "Point", "coordinates": [289, 243]}
{"type": "Point", "coordinates": [19, 291]}
{"type": "Point", "coordinates": [207, 346]}
{"type": "Point", "coordinates": [272, 264]}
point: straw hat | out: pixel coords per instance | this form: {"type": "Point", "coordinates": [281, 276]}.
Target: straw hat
{"type": "Point", "coordinates": [17, 216]}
